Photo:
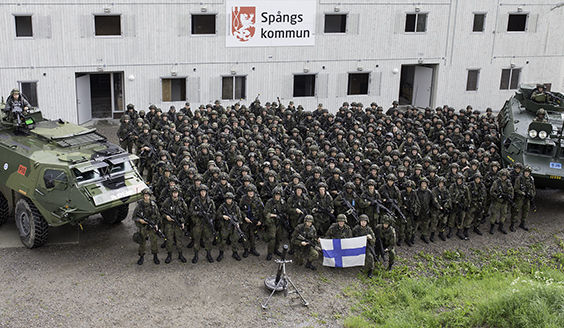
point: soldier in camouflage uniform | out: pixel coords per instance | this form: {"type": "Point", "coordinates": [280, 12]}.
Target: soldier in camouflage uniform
{"type": "Point", "coordinates": [227, 211]}
{"type": "Point", "coordinates": [525, 192]}
{"type": "Point", "coordinates": [297, 205]}
{"type": "Point", "coordinates": [274, 210]}
{"type": "Point", "coordinates": [251, 209]}
{"type": "Point", "coordinates": [147, 210]}
{"type": "Point", "coordinates": [364, 230]}
{"type": "Point", "coordinates": [439, 212]}
{"type": "Point", "coordinates": [175, 206]}
{"type": "Point", "coordinates": [425, 198]}
{"type": "Point", "coordinates": [126, 134]}
{"type": "Point", "coordinates": [323, 212]}
{"type": "Point", "coordinates": [501, 194]}
{"type": "Point", "coordinates": [388, 234]}
{"type": "Point", "coordinates": [478, 195]}
{"type": "Point", "coordinates": [339, 229]}
{"type": "Point", "coordinates": [347, 202]}
{"type": "Point", "coordinates": [303, 240]}
{"type": "Point", "coordinates": [460, 197]}
{"type": "Point", "coordinates": [202, 209]}
{"type": "Point", "coordinates": [367, 202]}
{"type": "Point", "coordinates": [410, 207]}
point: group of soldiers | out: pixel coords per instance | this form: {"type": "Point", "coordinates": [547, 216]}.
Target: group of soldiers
{"type": "Point", "coordinates": [225, 175]}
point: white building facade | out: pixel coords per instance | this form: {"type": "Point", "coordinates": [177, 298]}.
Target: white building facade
{"type": "Point", "coordinates": [78, 59]}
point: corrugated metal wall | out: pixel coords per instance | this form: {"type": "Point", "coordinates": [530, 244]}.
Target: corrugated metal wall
{"type": "Point", "coordinates": [157, 41]}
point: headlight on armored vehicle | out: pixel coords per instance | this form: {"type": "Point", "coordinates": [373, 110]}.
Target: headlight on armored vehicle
{"type": "Point", "coordinates": [543, 134]}
{"type": "Point", "coordinates": [533, 133]}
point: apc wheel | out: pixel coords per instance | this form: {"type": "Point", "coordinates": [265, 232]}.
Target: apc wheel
{"type": "Point", "coordinates": [4, 209]}
{"type": "Point", "coordinates": [32, 226]}
{"type": "Point", "coordinates": [115, 215]}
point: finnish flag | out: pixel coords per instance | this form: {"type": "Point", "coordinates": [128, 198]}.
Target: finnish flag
{"type": "Point", "coordinates": [343, 253]}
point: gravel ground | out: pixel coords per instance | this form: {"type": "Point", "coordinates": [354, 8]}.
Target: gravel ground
{"type": "Point", "coordinates": [97, 283]}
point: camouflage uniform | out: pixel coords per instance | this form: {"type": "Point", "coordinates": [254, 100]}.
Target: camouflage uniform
{"type": "Point", "coordinates": [500, 194]}
{"type": "Point", "coordinates": [410, 207]}
{"type": "Point", "coordinates": [358, 231]}
{"type": "Point", "coordinates": [146, 211]}
{"type": "Point", "coordinates": [460, 197]}
{"type": "Point", "coordinates": [226, 227]}
{"type": "Point", "coordinates": [251, 208]}
{"type": "Point", "coordinates": [178, 208]}
{"type": "Point", "coordinates": [307, 252]}
{"type": "Point", "coordinates": [478, 195]}
{"type": "Point", "coordinates": [525, 192]}
{"type": "Point", "coordinates": [274, 226]}
{"type": "Point", "coordinates": [388, 236]}
{"type": "Point", "coordinates": [425, 198]}
{"type": "Point", "coordinates": [322, 205]}
{"type": "Point", "coordinates": [439, 217]}
{"type": "Point", "coordinates": [201, 229]}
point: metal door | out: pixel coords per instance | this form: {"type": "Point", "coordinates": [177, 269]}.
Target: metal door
{"type": "Point", "coordinates": [422, 81]}
{"type": "Point", "coordinates": [83, 99]}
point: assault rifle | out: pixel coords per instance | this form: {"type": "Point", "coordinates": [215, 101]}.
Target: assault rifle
{"type": "Point", "coordinates": [351, 210]}
{"type": "Point", "coordinates": [310, 243]}
{"type": "Point", "coordinates": [282, 219]}
{"type": "Point", "coordinates": [234, 223]}
{"type": "Point", "coordinates": [531, 198]}
{"type": "Point", "coordinates": [129, 135]}
{"type": "Point", "coordinates": [152, 152]}
{"type": "Point", "coordinates": [506, 197]}
{"type": "Point", "coordinates": [177, 221]}
{"type": "Point", "coordinates": [251, 216]}
{"type": "Point", "coordinates": [209, 219]}
{"type": "Point", "coordinates": [151, 224]}
{"type": "Point", "coordinates": [394, 205]}
{"type": "Point", "coordinates": [326, 211]}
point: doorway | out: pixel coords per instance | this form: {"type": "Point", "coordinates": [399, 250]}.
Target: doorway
{"type": "Point", "coordinates": [99, 95]}
{"type": "Point", "coordinates": [416, 85]}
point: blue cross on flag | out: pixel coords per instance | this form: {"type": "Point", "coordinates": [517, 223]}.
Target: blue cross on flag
{"type": "Point", "coordinates": [343, 253]}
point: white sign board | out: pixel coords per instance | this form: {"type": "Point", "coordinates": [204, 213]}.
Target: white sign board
{"type": "Point", "coordinates": [273, 23]}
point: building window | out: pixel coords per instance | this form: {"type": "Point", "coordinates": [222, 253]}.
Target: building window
{"type": "Point", "coordinates": [517, 23]}
{"type": "Point", "coordinates": [234, 87]}
{"type": "Point", "coordinates": [479, 22]}
{"type": "Point", "coordinates": [416, 23]}
{"type": "Point", "coordinates": [203, 24]}
{"type": "Point", "coordinates": [24, 28]}
{"type": "Point", "coordinates": [358, 84]}
{"type": "Point", "coordinates": [335, 23]}
{"type": "Point", "coordinates": [510, 78]}
{"type": "Point", "coordinates": [29, 90]}
{"type": "Point", "coordinates": [304, 85]}
{"type": "Point", "coordinates": [472, 80]}
{"type": "Point", "coordinates": [107, 25]}
{"type": "Point", "coordinates": [174, 89]}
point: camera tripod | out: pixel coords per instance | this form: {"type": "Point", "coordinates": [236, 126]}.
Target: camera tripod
{"type": "Point", "coordinates": [281, 281]}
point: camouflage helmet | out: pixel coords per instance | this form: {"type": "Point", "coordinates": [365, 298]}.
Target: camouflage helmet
{"type": "Point", "coordinates": [175, 188]}
{"type": "Point", "coordinates": [391, 176]}
{"type": "Point", "coordinates": [341, 217]}
{"type": "Point", "coordinates": [229, 195]}
{"type": "Point", "coordinates": [349, 185]}
{"type": "Point", "coordinates": [424, 180]}
{"type": "Point", "coordinates": [251, 187]}
{"type": "Point", "coordinates": [541, 111]}
{"type": "Point", "coordinates": [477, 175]}
{"type": "Point", "coordinates": [432, 168]}
{"type": "Point", "coordinates": [308, 218]}
{"type": "Point", "coordinates": [223, 176]}
{"type": "Point", "coordinates": [418, 167]}
{"type": "Point", "coordinates": [127, 117]}
{"type": "Point", "coordinates": [459, 176]}
{"type": "Point", "coordinates": [15, 91]}
{"type": "Point", "coordinates": [271, 173]}
{"type": "Point", "coordinates": [386, 219]}
{"type": "Point", "coordinates": [203, 187]}
{"type": "Point", "coordinates": [277, 190]}
{"type": "Point", "coordinates": [364, 217]}
{"type": "Point", "coordinates": [370, 182]}
{"type": "Point", "coordinates": [495, 163]}
{"type": "Point", "coordinates": [402, 168]}
{"type": "Point", "coordinates": [518, 166]}
{"type": "Point", "coordinates": [410, 184]}
{"type": "Point", "coordinates": [528, 168]}
{"type": "Point", "coordinates": [300, 186]}
{"type": "Point", "coordinates": [504, 172]}
{"type": "Point", "coordinates": [247, 177]}
{"type": "Point", "coordinates": [147, 191]}
{"type": "Point", "coordinates": [145, 126]}
{"type": "Point", "coordinates": [441, 179]}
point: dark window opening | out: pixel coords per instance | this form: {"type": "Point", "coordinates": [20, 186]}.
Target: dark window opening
{"type": "Point", "coordinates": [479, 20]}
{"type": "Point", "coordinates": [203, 24]}
{"type": "Point", "coordinates": [304, 85]}
{"type": "Point", "coordinates": [472, 80]}
{"type": "Point", "coordinates": [107, 25]}
{"type": "Point", "coordinates": [29, 90]}
{"type": "Point", "coordinates": [358, 84]}
{"type": "Point", "coordinates": [517, 23]}
{"type": "Point", "coordinates": [416, 23]}
{"type": "Point", "coordinates": [24, 27]}
{"type": "Point", "coordinates": [174, 89]}
{"type": "Point", "coordinates": [233, 87]}
{"type": "Point", "coordinates": [335, 23]}
{"type": "Point", "coordinates": [540, 149]}
{"type": "Point", "coordinates": [510, 78]}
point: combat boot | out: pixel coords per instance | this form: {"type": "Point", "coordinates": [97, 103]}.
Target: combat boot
{"type": "Point", "coordinates": [220, 256]}
{"type": "Point", "coordinates": [501, 229]}
{"type": "Point", "coordinates": [424, 238]}
{"type": "Point", "coordinates": [254, 252]}
{"type": "Point", "coordinates": [156, 259]}
{"type": "Point", "coordinates": [399, 242]}
{"type": "Point", "coordinates": [408, 242]}
{"type": "Point", "coordinates": [181, 258]}
{"type": "Point", "coordinates": [477, 231]}
{"type": "Point", "coordinates": [277, 253]}
{"type": "Point", "coordinates": [141, 259]}
{"type": "Point", "coordinates": [412, 239]}
{"type": "Point", "coordinates": [236, 256]}
{"type": "Point", "coordinates": [390, 266]}
{"type": "Point", "coordinates": [369, 274]}
{"type": "Point", "coordinates": [168, 257]}
{"type": "Point", "coordinates": [449, 234]}
{"type": "Point", "coordinates": [195, 259]}
{"type": "Point", "coordinates": [432, 237]}
{"type": "Point", "coordinates": [310, 266]}
{"type": "Point", "coordinates": [246, 253]}
{"type": "Point", "coordinates": [465, 232]}
{"type": "Point", "coordinates": [268, 257]}
{"type": "Point", "coordinates": [492, 227]}
{"type": "Point", "coordinates": [512, 227]}
{"type": "Point", "coordinates": [191, 244]}
{"type": "Point", "coordinates": [460, 235]}
{"type": "Point", "coordinates": [209, 257]}
{"type": "Point", "coordinates": [442, 236]}
{"type": "Point", "coordinates": [523, 226]}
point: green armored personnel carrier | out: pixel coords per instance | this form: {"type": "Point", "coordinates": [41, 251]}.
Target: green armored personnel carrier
{"type": "Point", "coordinates": [54, 172]}
{"type": "Point", "coordinates": [534, 141]}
